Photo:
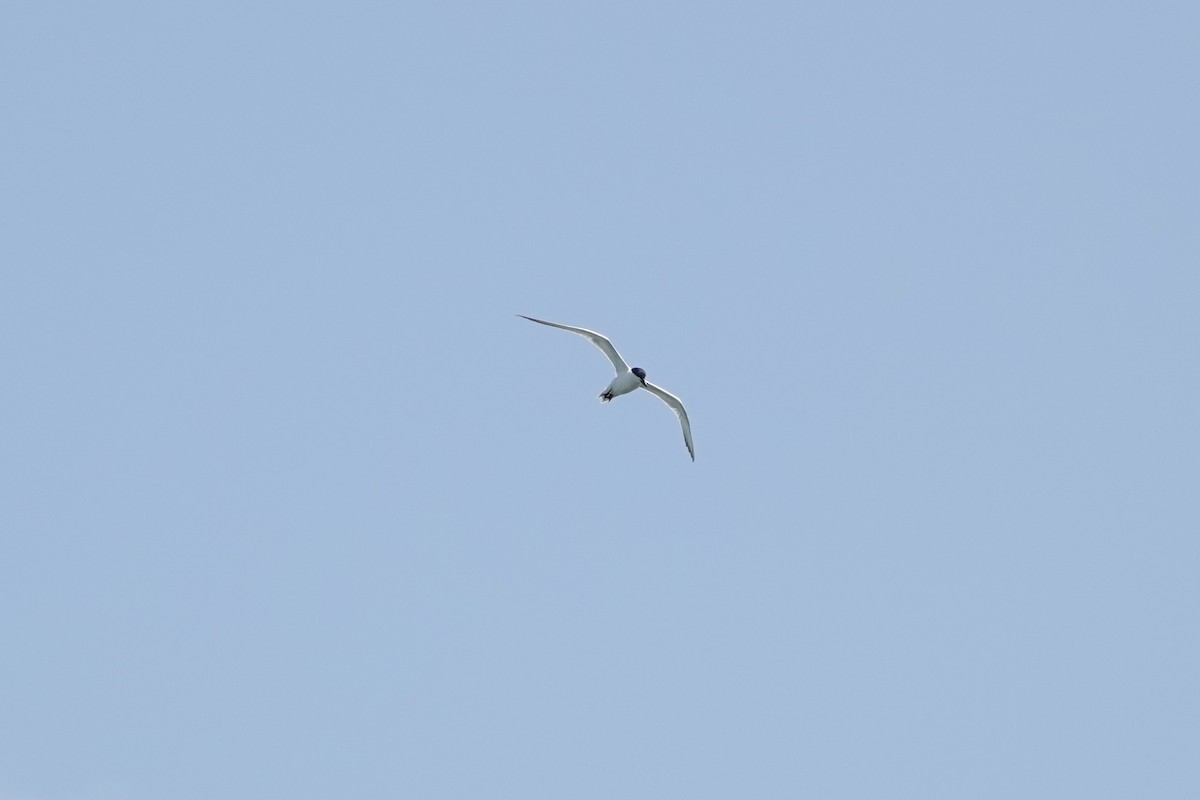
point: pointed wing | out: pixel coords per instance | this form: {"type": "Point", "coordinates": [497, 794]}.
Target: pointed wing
{"type": "Point", "coordinates": [597, 339]}
{"type": "Point", "coordinates": [676, 405]}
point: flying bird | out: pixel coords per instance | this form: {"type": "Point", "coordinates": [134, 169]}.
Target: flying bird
{"type": "Point", "coordinates": [628, 379]}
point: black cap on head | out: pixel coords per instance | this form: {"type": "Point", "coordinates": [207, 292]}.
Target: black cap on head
{"type": "Point", "coordinates": [641, 373]}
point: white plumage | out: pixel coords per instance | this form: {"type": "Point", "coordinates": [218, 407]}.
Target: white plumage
{"type": "Point", "coordinates": [627, 379]}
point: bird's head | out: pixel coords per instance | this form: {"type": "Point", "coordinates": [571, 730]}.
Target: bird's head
{"type": "Point", "coordinates": [641, 374]}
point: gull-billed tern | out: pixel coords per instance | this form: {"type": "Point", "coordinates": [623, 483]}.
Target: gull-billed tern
{"type": "Point", "coordinates": [628, 379]}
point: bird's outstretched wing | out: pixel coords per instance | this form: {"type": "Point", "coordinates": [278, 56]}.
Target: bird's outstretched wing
{"type": "Point", "coordinates": [598, 339]}
{"type": "Point", "coordinates": [676, 405]}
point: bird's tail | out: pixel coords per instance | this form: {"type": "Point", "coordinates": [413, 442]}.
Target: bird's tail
{"type": "Point", "coordinates": [606, 395]}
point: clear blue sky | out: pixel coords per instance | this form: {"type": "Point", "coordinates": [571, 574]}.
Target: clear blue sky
{"type": "Point", "coordinates": [294, 506]}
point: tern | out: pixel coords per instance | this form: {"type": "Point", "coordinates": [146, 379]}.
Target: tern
{"type": "Point", "coordinates": [628, 379]}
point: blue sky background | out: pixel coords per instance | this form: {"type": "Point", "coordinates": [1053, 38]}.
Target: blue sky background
{"type": "Point", "coordinates": [294, 505]}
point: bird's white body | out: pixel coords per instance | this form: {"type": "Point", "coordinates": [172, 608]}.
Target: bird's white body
{"type": "Point", "coordinates": [624, 383]}
{"type": "Point", "coordinates": [628, 379]}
